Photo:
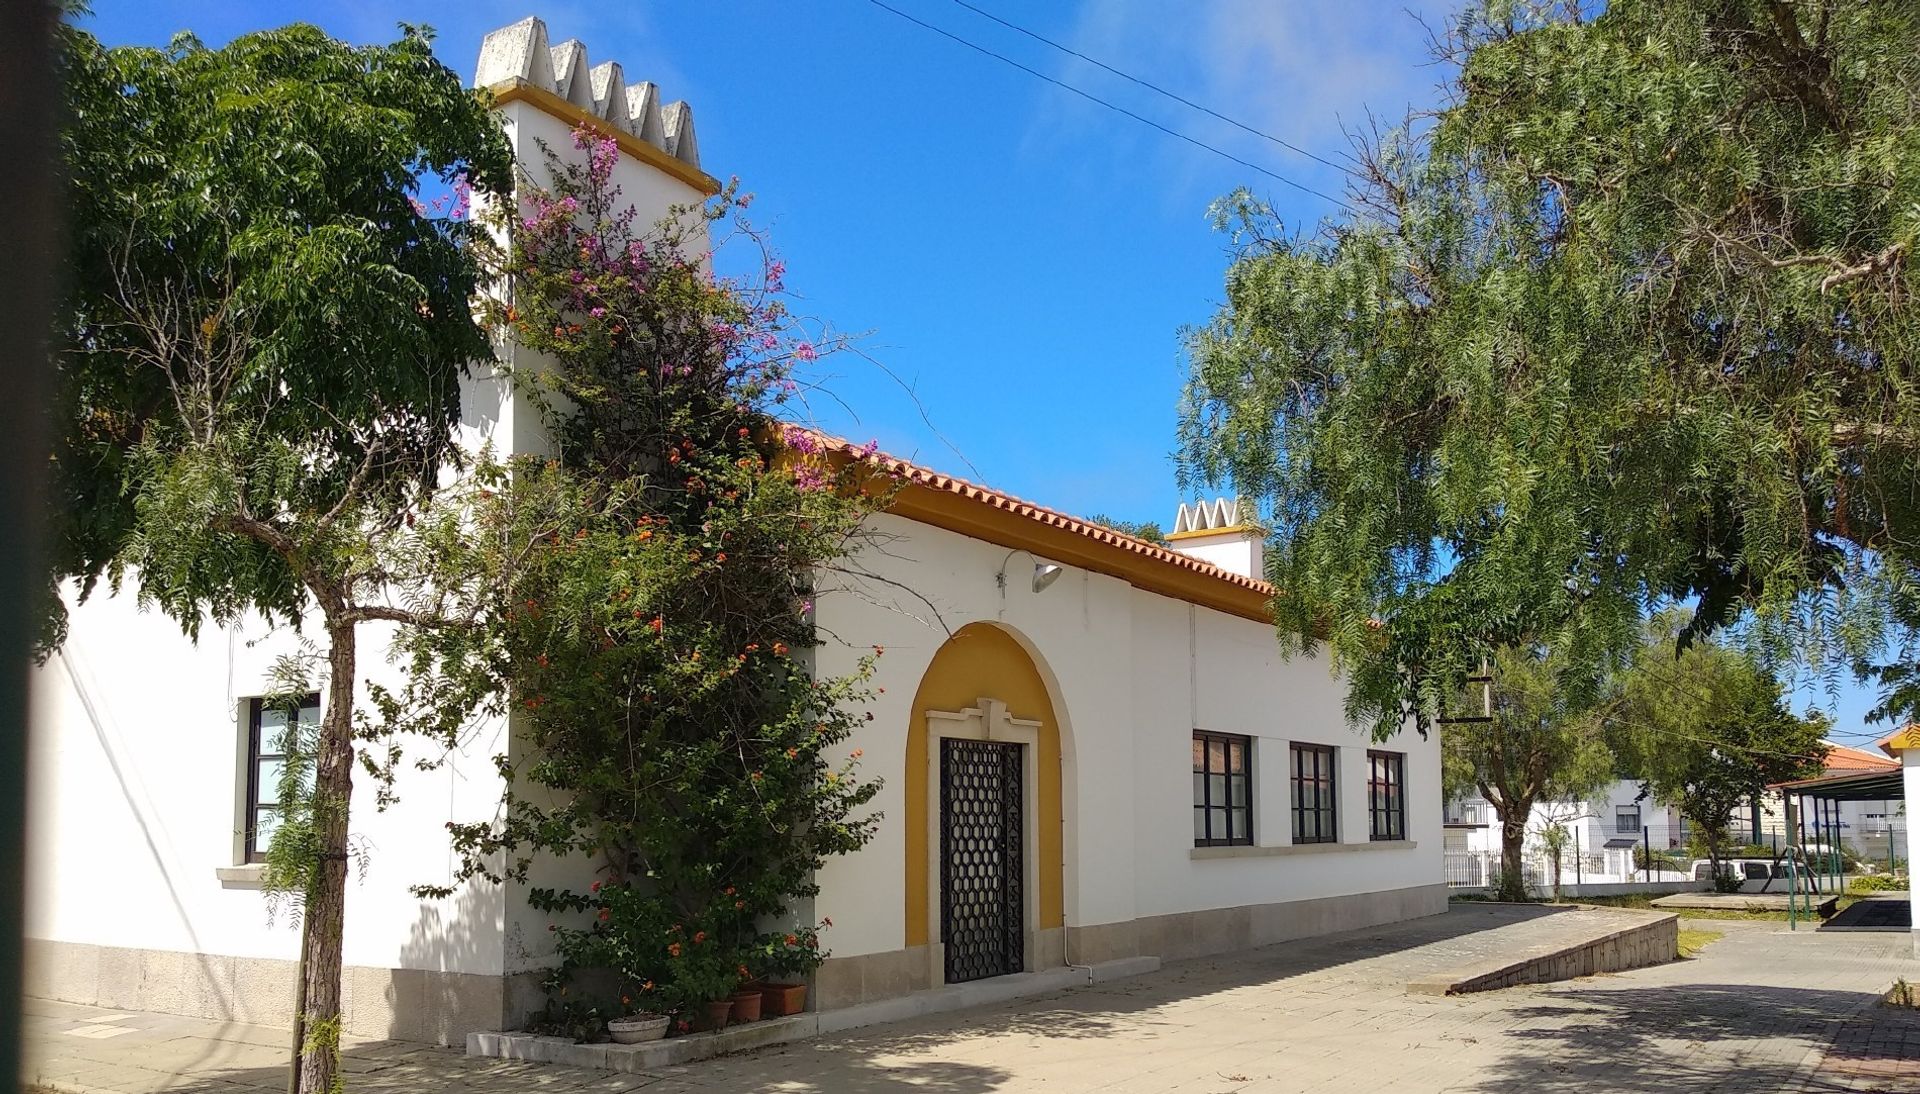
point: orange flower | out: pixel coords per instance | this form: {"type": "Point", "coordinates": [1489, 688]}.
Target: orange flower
{"type": "Point", "coordinates": [674, 949]}
{"type": "Point", "coordinates": [857, 753]}
{"type": "Point", "coordinates": [780, 649]}
{"type": "Point", "coordinates": [753, 647]}
{"type": "Point", "coordinates": [793, 753]}
{"type": "Point", "coordinates": [721, 557]}
{"type": "Point", "coordinates": [755, 776]}
{"type": "Point", "coordinates": [739, 904]}
{"type": "Point", "coordinates": [699, 937]}
{"type": "Point", "coordinates": [658, 623]}
{"type": "Point", "coordinates": [792, 941]}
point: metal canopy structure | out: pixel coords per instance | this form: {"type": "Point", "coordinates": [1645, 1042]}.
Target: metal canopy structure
{"type": "Point", "coordinates": [1825, 861]}
{"type": "Point", "coordinates": [1858, 786]}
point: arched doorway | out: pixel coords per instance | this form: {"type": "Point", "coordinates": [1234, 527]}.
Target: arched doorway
{"type": "Point", "coordinates": [984, 846]}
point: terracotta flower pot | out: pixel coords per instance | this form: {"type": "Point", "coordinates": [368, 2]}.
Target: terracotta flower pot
{"type": "Point", "coordinates": [634, 1029]}
{"type": "Point", "coordinates": [715, 1015]}
{"type": "Point", "coordinates": [780, 1000]}
{"type": "Point", "coordinates": [746, 1005]}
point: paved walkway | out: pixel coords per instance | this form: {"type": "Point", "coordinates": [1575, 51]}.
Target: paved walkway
{"type": "Point", "coordinates": [1761, 1010]}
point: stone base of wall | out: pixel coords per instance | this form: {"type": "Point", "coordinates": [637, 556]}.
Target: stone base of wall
{"type": "Point", "coordinates": [1221, 930]}
{"type": "Point", "coordinates": [398, 1004]}
{"type": "Point", "coordinates": [867, 978]}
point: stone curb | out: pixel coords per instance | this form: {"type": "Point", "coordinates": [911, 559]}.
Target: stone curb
{"type": "Point", "coordinates": [773, 1031]}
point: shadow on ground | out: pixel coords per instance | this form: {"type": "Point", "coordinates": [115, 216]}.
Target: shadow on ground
{"type": "Point", "coordinates": [1677, 1037]}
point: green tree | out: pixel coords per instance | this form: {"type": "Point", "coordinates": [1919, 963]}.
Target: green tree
{"type": "Point", "coordinates": [1628, 321]}
{"type": "Point", "coordinates": [1709, 730]}
{"type": "Point", "coordinates": [670, 736]}
{"type": "Point", "coordinates": [1138, 529]}
{"type": "Point", "coordinates": [265, 335]}
{"type": "Point", "coordinates": [1541, 744]}
{"type": "Point", "coordinates": [1555, 838]}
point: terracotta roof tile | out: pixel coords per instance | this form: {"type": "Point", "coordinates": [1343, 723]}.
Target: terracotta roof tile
{"type": "Point", "coordinates": [927, 477]}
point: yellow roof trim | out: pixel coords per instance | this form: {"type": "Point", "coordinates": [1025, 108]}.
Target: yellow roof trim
{"type": "Point", "coordinates": [942, 501]}
{"type": "Point", "coordinates": [518, 90]}
{"type": "Point", "coordinates": [1902, 741]}
{"type": "Point", "coordinates": [983, 521]}
{"type": "Point", "coordinates": [1202, 533]}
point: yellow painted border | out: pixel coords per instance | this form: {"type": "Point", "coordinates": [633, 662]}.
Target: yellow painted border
{"type": "Point", "coordinates": [982, 660]}
{"type": "Point", "coordinates": [1201, 533]}
{"type": "Point", "coordinates": [969, 517]}
{"type": "Point", "coordinates": [518, 90]}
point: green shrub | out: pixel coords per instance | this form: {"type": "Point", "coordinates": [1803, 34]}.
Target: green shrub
{"type": "Point", "coordinates": [1877, 883]}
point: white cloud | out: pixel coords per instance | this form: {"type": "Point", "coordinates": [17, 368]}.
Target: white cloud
{"type": "Point", "coordinates": [1298, 69]}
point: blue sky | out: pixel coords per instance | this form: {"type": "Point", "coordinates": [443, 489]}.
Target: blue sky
{"type": "Point", "coordinates": [1017, 260]}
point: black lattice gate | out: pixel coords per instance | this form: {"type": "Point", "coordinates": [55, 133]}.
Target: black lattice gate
{"type": "Point", "coordinates": [981, 879]}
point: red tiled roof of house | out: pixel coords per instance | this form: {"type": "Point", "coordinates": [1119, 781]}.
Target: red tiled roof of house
{"type": "Point", "coordinates": [1845, 758]}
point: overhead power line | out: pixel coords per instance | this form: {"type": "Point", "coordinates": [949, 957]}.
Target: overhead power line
{"type": "Point", "coordinates": [1155, 88]}
{"type": "Point", "coordinates": [1090, 97]}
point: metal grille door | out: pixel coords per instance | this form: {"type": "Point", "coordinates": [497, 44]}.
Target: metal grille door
{"type": "Point", "coordinates": [981, 870]}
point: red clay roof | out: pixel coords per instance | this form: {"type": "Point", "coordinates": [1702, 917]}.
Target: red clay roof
{"type": "Point", "coordinates": [1843, 758]}
{"type": "Point", "coordinates": [919, 475]}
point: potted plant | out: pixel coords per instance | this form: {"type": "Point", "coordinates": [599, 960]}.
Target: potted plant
{"type": "Point", "coordinates": [637, 1022]}
{"type": "Point", "coordinates": [705, 976]}
{"type": "Point", "coordinates": [788, 956]}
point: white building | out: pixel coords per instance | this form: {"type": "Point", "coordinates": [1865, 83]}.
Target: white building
{"type": "Point", "coordinates": [1177, 788]}
{"type": "Point", "coordinates": [1605, 836]}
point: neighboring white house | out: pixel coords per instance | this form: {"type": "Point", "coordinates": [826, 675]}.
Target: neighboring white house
{"type": "Point", "coordinates": [1167, 784]}
{"type": "Point", "coordinates": [1604, 832]}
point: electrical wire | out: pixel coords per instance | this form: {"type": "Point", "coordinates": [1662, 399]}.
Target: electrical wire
{"type": "Point", "coordinates": [1090, 97]}
{"type": "Point", "coordinates": [1156, 88]}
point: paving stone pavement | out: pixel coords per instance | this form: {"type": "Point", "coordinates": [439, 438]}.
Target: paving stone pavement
{"type": "Point", "coordinates": [1761, 1010]}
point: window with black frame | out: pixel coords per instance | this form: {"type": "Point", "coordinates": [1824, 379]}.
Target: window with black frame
{"type": "Point", "coordinates": [1386, 794]}
{"type": "Point", "coordinates": [1311, 773]}
{"type": "Point", "coordinates": [266, 759]}
{"type": "Point", "coordinates": [1222, 790]}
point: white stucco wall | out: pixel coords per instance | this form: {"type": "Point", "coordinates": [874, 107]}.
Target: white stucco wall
{"type": "Point", "coordinates": [138, 765]}
{"type": "Point", "coordinates": [1133, 674]}
{"type": "Point", "coordinates": [139, 738]}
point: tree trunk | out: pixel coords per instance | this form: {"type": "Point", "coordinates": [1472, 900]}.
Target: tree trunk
{"type": "Point", "coordinates": [325, 912]}
{"type": "Point", "coordinates": [1513, 838]}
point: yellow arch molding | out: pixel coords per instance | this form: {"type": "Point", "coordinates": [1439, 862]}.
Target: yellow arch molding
{"type": "Point", "coordinates": [983, 661]}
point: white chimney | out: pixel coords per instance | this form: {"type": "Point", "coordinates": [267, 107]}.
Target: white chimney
{"type": "Point", "coordinates": [1217, 532]}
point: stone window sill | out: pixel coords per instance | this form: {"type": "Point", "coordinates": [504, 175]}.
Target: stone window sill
{"type": "Point", "coordinates": [248, 876]}
{"type": "Point", "coordinates": [1302, 849]}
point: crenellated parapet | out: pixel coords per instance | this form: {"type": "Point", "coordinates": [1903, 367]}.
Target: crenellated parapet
{"type": "Point", "coordinates": [516, 62]}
